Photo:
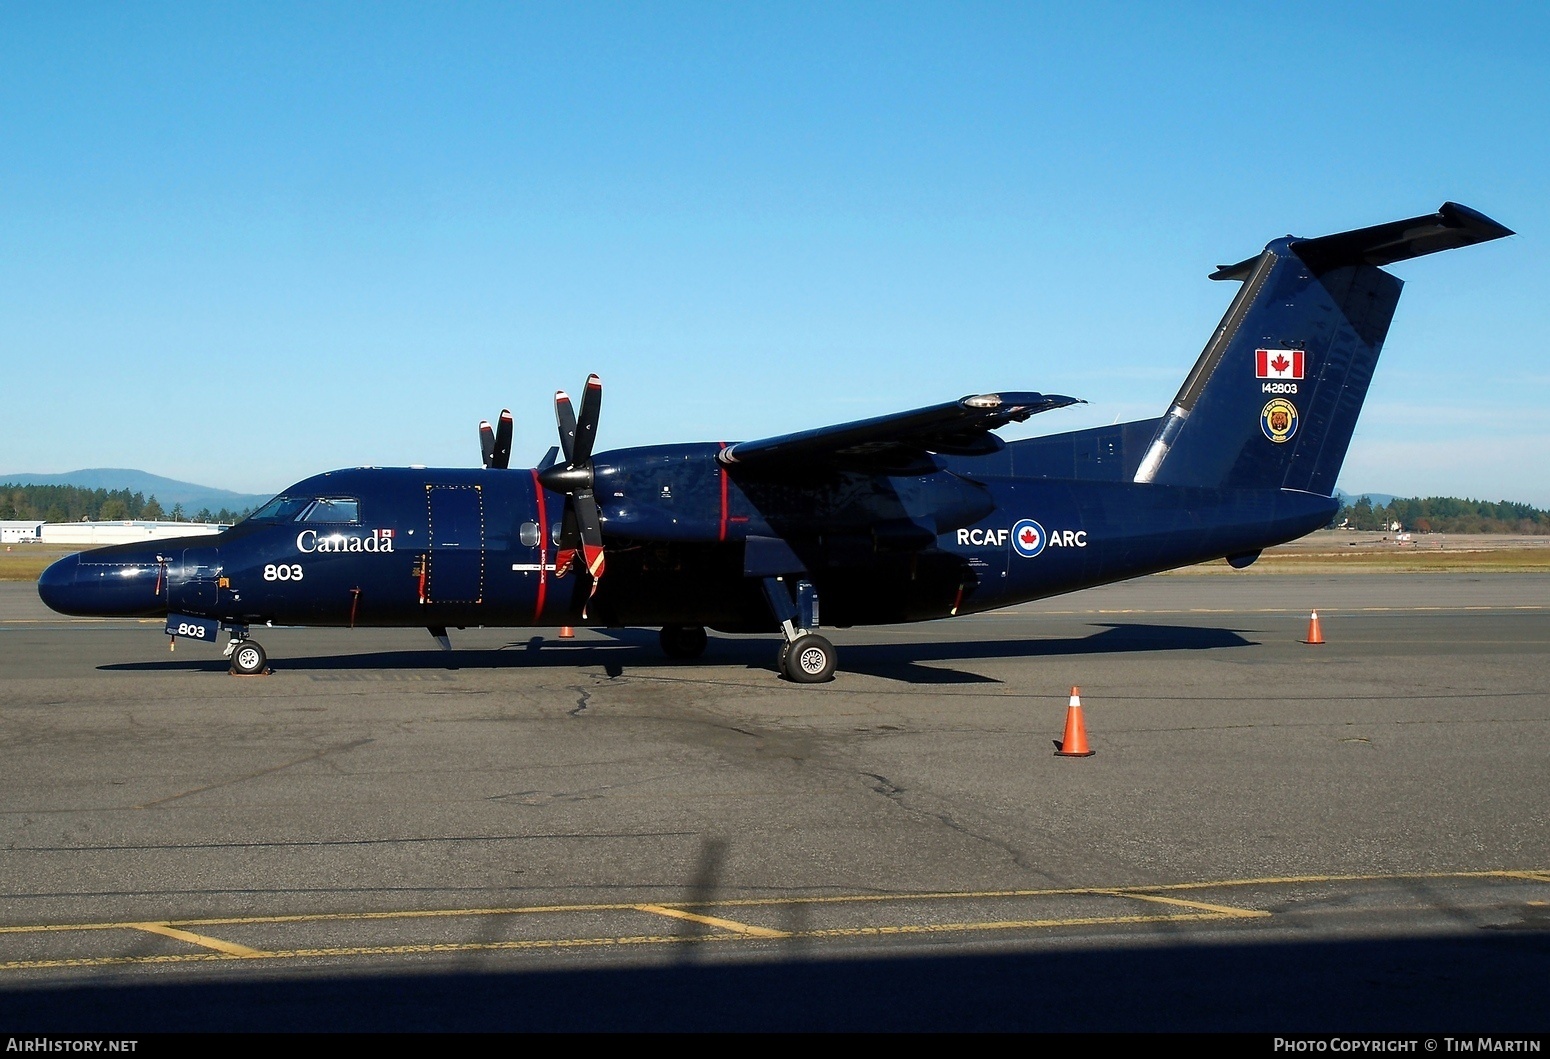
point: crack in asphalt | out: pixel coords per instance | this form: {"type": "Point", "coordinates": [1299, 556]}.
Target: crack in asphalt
{"type": "Point", "coordinates": [894, 793]}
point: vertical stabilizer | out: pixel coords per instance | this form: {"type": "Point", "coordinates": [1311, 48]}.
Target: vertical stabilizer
{"type": "Point", "coordinates": [1273, 400]}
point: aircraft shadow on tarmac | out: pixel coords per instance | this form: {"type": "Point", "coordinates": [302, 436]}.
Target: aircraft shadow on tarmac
{"type": "Point", "coordinates": [1410, 985]}
{"type": "Point", "coordinates": [630, 648]}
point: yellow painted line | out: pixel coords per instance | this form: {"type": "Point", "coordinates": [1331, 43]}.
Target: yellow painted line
{"type": "Point", "coordinates": [567, 943]}
{"type": "Point", "coordinates": [712, 921]}
{"type": "Point", "coordinates": [332, 917]}
{"type": "Point", "coordinates": [1005, 924]}
{"type": "Point", "coordinates": [1222, 910]}
{"type": "Point", "coordinates": [1533, 874]}
{"type": "Point", "coordinates": [1529, 874]}
{"type": "Point", "coordinates": [229, 948]}
{"type": "Point", "coordinates": [747, 902]}
{"type": "Point", "coordinates": [62, 620]}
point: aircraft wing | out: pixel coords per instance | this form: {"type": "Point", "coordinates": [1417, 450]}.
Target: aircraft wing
{"type": "Point", "coordinates": [958, 428]}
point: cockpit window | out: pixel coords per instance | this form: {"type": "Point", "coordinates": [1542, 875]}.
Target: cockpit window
{"type": "Point", "coordinates": [332, 509]}
{"type": "Point", "coordinates": [281, 509]}
{"type": "Point", "coordinates": [308, 509]}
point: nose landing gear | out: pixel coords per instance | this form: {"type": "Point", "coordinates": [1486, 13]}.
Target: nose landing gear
{"type": "Point", "coordinates": [247, 656]}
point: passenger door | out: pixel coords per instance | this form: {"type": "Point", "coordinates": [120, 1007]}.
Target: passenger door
{"type": "Point", "coordinates": [455, 562]}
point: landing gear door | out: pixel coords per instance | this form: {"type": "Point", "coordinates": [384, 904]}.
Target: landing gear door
{"type": "Point", "coordinates": [455, 562]}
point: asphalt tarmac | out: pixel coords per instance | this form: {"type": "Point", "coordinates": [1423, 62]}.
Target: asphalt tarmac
{"type": "Point", "coordinates": [531, 833]}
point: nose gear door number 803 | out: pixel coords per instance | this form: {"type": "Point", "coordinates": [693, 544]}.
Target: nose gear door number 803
{"type": "Point", "coordinates": [282, 572]}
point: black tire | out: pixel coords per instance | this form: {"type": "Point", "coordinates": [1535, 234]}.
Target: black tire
{"type": "Point", "coordinates": [683, 641]}
{"type": "Point", "coordinates": [248, 659]}
{"type": "Point", "coordinates": [809, 659]}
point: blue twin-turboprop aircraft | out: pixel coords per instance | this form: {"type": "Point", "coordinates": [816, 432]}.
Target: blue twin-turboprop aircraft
{"type": "Point", "coordinates": [909, 517]}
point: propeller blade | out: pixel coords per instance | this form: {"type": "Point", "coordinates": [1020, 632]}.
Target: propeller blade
{"type": "Point", "coordinates": [502, 454]}
{"type": "Point", "coordinates": [591, 540]}
{"type": "Point", "coordinates": [486, 441]}
{"type": "Point", "coordinates": [570, 529]}
{"type": "Point", "coordinates": [565, 416]}
{"type": "Point", "coordinates": [581, 532]}
{"type": "Point", "coordinates": [586, 427]}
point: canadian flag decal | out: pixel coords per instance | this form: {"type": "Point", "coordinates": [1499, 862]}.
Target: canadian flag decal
{"type": "Point", "coordinates": [1278, 363]}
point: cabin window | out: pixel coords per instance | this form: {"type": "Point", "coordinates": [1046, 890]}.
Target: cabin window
{"type": "Point", "coordinates": [528, 534]}
{"type": "Point", "coordinates": [332, 509]}
{"type": "Point", "coordinates": [554, 534]}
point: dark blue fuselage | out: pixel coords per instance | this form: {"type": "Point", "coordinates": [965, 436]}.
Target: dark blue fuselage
{"type": "Point", "coordinates": [472, 547]}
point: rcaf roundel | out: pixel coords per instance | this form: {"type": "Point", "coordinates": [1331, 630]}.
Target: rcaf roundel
{"type": "Point", "coordinates": [1028, 538]}
{"type": "Point", "coordinates": [1278, 363]}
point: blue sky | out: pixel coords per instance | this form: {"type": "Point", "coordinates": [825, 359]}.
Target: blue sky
{"type": "Point", "coordinates": [246, 242]}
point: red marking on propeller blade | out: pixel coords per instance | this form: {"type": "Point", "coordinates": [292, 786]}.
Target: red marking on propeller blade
{"type": "Point", "coordinates": [594, 554]}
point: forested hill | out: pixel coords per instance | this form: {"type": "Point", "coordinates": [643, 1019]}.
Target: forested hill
{"type": "Point", "coordinates": [169, 491]}
{"type": "Point", "coordinates": [1445, 514]}
{"type": "Point", "coordinates": [72, 503]}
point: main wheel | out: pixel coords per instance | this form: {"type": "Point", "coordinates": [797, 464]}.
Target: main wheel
{"type": "Point", "coordinates": [683, 641]}
{"type": "Point", "coordinates": [248, 659]}
{"type": "Point", "coordinates": [809, 659]}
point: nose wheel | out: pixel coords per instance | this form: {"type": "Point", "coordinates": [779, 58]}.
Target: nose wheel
{"type": "Point", "coordinates": [248, 658]}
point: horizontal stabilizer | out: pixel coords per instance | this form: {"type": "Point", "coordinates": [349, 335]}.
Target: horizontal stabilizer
{"type": "Point", "coordinates": [957, 427]}
{"type": "Point", "coordinates": [1449, 228]}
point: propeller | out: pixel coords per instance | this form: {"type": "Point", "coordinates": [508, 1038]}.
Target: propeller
{"type": "Point", "coordinates": [495, 444]}
{"type": "Point", "coordinates": [582, 524]}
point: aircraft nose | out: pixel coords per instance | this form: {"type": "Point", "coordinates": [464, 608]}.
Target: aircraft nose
{"type": "Point", "coordinates": [57, 588]}
{"type": "Point", "coordinates": [103, 585]}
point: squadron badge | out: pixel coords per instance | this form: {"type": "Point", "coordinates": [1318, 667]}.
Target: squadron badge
{"type": "Point", "coordinates": [1278, 420]}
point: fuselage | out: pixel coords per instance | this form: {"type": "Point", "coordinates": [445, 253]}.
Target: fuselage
{"type": "Point", "coordinates": [688, 540]}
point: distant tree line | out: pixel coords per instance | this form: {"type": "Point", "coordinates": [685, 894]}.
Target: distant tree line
{"type": "Point", "coordinates": [1445, 514]}
{"type": "Point", "coordinates": [72, 503]}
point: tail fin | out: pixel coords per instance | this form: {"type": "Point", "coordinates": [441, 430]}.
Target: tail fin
{"type": "Point", "coordinates": [1273, 399]}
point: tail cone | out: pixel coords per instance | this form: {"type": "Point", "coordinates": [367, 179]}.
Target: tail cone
{"type": "Point", "coordinates": [1075, 742]}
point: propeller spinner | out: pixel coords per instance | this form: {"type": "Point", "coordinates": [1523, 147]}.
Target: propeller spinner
{"type": "Point", "coordinates": [582, 522]}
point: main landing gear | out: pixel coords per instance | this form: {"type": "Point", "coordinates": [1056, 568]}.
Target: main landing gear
{"type": "Point", "coordinates": [247, 656]}
{"type": "Point", "coordinates": [805, 657]}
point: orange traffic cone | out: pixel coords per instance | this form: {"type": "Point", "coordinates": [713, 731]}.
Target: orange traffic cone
{"type": "Point", "coordinates": [1075, 742]}
{"type": "Point", "coordinates": [566, 632]}
{"type": "Point", "coordinates": [1315, 633]}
